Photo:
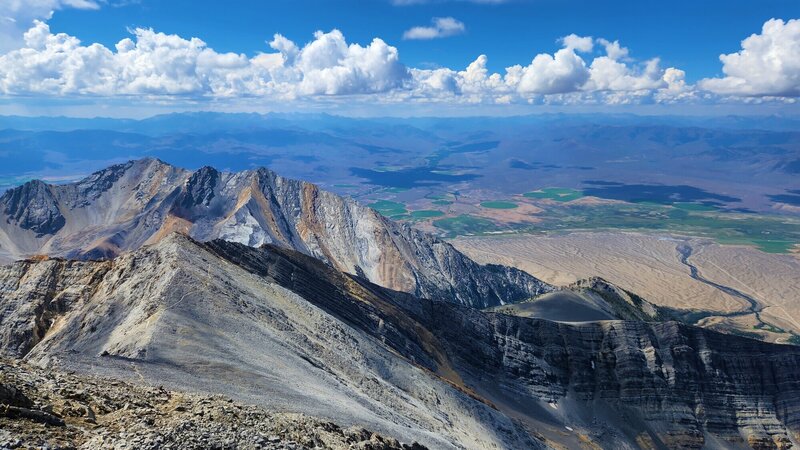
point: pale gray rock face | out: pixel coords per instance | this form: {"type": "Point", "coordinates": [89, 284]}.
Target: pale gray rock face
{"type": "Point", "coordinates": [289, 332]}
{"type": "Point", "coordinates": [126, 206]}
{"type": "Point", "coordinates": [34, 294]}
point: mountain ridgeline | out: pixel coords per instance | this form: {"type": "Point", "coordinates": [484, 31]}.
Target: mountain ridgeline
{"type": "Point", "coordinates": [126, 206]}
{"type": "Point", "coordinates": [289, 332]}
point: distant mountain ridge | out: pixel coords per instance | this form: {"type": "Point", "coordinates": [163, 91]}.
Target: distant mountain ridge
{"type": "Point", "coordinates": [432, 155]}
{"type": "Point", "coordinates": [200, 121]}
{"type": "Point", "coordinates": [128, 205]}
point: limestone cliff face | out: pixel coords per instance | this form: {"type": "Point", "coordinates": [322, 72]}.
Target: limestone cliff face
{"type": "Point", "coordinates": [295, 329]}
{"type": "Point", "coordinates": [679, 383]}
{"type": "Point", "coordinates": [125, 206]}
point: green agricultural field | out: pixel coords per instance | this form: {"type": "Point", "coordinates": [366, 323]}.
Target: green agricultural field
{"type": "Point", "coordinates": [465, 224]}
{"type": "Point", "coordinates": [556, 194]}
{"type": "Point", "coordinates": [394, 210]}
{"type": "Point", "coordinates": [499, 205]}
{"type": "Point", "coordinates": [765, 245]}
{"type": "Point", "coordinates": [426, 214]}
{"type": "Point", "coordinates": [442, 202]}
{"type": "Point", "coordinates": [773, 234]}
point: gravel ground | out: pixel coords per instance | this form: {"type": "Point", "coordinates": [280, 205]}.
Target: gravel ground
{"type": "Point", "coordinates": [56, 410]}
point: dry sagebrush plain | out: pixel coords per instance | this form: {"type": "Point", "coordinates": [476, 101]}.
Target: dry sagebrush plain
{"type": "Point", "coordinates": [651, 266]}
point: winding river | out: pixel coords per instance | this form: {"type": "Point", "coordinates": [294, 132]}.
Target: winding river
{"type": "Point", "coordinates": [754, 307]}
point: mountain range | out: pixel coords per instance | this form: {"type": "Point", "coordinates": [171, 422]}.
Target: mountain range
{"type": "Point", "coordinates": [274, 292]}
{"type": "Point", "coordinates": [129, 205]}
{"type": "Point", "coordinates": [739, 162]}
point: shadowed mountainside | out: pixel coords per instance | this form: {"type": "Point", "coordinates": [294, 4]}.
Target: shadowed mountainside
{"type": "Point", "coordinates": [290, 332]}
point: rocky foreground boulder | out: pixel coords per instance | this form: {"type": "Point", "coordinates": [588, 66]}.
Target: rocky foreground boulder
{"type": "Point", "coordinates": [59, 410]}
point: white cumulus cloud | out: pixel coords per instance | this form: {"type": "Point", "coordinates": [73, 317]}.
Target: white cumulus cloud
{"type": "Point", "coordinates": [563, 77]}
{"type": "Point", "coordinates": [581, 70]}
{"type": "Point", "coordinates": [17, 16]}
{"type": "Point", "coordinates": [152, 63]}
{"type": "Point", "coordinates": [564, 71]}
{"type": "Point", "coordinates": [767, 65]}
{"type": "Point", "coordinates": [609, 74]}
{"type": "Point", "coordinates": [441, 27]}
{"type": "Point", "coordinates": [328, 65]}
{"type": "Point", "coordinates": [613, 49]}
{"type": "Point", "coordinates": [578, 43]}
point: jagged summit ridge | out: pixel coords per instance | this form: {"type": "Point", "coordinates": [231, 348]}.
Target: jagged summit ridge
{"type": "Point", "coordinates": [126, 206]}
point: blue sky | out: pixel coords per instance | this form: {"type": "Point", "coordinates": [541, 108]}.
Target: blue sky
{"type": "Point", "coordinates": [687, 34]}
{"type": "Point", "coordinates": [621, 53]}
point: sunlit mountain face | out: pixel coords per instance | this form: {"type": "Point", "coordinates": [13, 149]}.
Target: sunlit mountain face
{"type": "Point", "coordinates": [399, 224]}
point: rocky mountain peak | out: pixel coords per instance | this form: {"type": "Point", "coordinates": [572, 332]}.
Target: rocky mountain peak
{"type": "Point", "coordinates": [33, 207]}
{"type": "Point", "coordinates": [138, 202]}
{"type": "Point", "coordinates": [200, 188]}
